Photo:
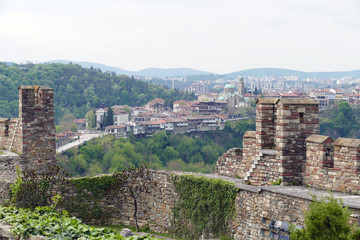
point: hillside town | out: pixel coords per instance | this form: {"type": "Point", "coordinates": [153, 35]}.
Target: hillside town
{"type": "Point", "coordinates": [208, 113]}
{"type": "Point", "coordinates": [212, 109]}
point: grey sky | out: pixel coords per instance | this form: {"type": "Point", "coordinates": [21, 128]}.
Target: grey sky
{"type": "Point", "coordinates": [217, 36]}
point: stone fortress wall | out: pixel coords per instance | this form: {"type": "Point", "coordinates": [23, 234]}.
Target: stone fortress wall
{"type": "Point", "coordinates": [28, 142]}
{"type": "Point", "coordinates": [286, 145]}
{"type": "Point", "coordinates": [32, 135]}
{"type": "Point", "coordinates": [255, 206]}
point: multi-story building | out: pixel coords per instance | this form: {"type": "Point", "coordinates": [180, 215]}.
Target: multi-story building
{"type": "Point", "coordinates": [155, 106]}
{"type": "Point", "coordinates": [197, 88]}
{"type": "Point", "coordinates": [120, 116]}
{"type": "Point", "coordinates": [100, 114]}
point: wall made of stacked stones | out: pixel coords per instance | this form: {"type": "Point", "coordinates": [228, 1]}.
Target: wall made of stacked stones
{"type": "Point", "coordinates": [249, 153]}
{"type": "Point", "coordinates": [38, 125]}
{"type": "Point", "coordinates": [230, 163]}
{"type": "Point", "coordinates": [236, 162]}
{"type": "Point", "coordinates": [8, 175]}
{"type": "Point", "coordinates": [317, 172]}
{"type": "Point", "coordinates": [294, 123]}
{"type": "Point", "coordinates": [10, 133]}
{"type": "Point", "coordinates": [16, 135]}
{"type": "Point", "coordinates": [344, 176]}
{"type": "Point", "coordinates": [154, 206]}
{"type": "Point", "coordinates": [347, 169]}
{"type": "Point", "coordinates": [252, 207]}
{"type": "Point", "coordinates": [265, 125]}
{"type": "Point", "coordinates": [4, 135]}
{"type": "Point", "coordinates": [266, 170]}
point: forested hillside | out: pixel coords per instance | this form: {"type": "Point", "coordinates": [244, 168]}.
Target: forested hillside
{"type": "Point", "coordinates": [340, 120]}
{"type": "Point", "coordinates": [78, 90]}
{"type": "Point", "coordinates": [183, 152]}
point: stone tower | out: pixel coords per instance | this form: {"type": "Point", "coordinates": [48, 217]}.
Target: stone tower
{"type": "Point", "coordinates": [241, 87]}
{"type": "Point", "coordinates": [282, 125]}
{"type": "Point", "coordinates": [37, 124]}
{"type": "Point", "coordinates": [296, 119]}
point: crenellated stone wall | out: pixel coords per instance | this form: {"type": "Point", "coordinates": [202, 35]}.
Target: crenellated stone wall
{"type": "Point", "coordinates": [236, 162]}
{"type": "Point", "coordinates": [265, 169]}
{"type": "Point", "coordinates": [10, 130]}
{"type": "Point", "coordinates": [32, 135]}
{"type": "Point", "coordinates": [332, 165]}
{"type": "Point", "coordinates": [279, 149]}
{"type": "Point", "coordinates": [230, 163]}
{"type": "Point", "coordinates": [249, 152]}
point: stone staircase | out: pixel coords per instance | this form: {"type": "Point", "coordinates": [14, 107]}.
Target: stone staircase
{"type": "Point", "coordinates": [13, 136]}
{"type": "Point", "coordinates": [252, 167]}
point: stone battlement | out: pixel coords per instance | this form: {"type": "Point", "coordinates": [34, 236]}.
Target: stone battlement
{"type": "Point", "coordinates": [286, 146]}
{"type": "Point", "coordinates": [32, 135]}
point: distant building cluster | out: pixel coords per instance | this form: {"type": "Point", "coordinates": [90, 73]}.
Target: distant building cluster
{"type": "Point", "coordinates": [325, 91]}
{"type": "Point", "coordinates": [208, 113]}
{"type": "Point", "coordinates": [212, 110]}
{"type": "Point", "coordinates": [198, 88]}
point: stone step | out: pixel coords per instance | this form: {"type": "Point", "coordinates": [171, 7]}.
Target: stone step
{"type": "Point", "coordinates": [13, 137]}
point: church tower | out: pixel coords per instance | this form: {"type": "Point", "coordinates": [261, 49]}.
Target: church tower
{"type": "Point", "coordinates": [241, 86]}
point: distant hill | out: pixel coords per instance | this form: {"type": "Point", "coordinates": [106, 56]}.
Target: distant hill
{"type": "Point", "coordinates": [195, 75]}
{"type": "Point", "coordinates": [148, 72]}
{"type": "Point", "coordinates": [280, 72]}
{"type": "Point", "coordinates": [78, 90]}
{"type": "Point", "coordinates": [103, 67]}
{"type": "Point", "coordinates": [170, 72]}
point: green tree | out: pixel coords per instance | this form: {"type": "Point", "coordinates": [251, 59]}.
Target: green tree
{"type": "Point", "coordinates": [109, 119]}
{"type": "Point", "coordinates": [326, 219]}
{"type": "Point", "coordinates": [68, 123]}
{"type": "Point", "coordinates": [90, 119]}
{"type": "Point", "coordinates": [169, 153]}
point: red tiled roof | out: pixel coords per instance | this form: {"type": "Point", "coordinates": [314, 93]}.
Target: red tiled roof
{"type": "Point", "coordinates": [99, 109]}
{"type": "Point", "coordinates": [148, 122]}
{"type": "Point", "coordinates": [156, 100]}
{"type": "Point", "coordinates": [199, 117]}
{"type": "Point", "coordinates": [287, 94]}
{"type": "Point", "coordinates": [222, 117]}
{"type": "Point", "coordinates": [115, 126]}
{"type": "Point", "coordinates": [175, 120]}
{"type": "Point", "coordinates": [80, 120]}
{"type": "Point", "coordinates": [145, 114]}
{"type": "Point", "coordinates": [119, 112]}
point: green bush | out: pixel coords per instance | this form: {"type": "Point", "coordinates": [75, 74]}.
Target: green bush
{"type": "Point", "coordinates": [53, 225]}
{"type": "Point", "coordinates": [204, 208]}
{"type": "Point", "coordinates": [326, 219]}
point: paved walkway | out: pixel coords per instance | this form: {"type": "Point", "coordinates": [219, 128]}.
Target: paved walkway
{"type": "Point", "coordinates": [7, 153]}
{"type": "Point", "coordinates": [82, 140]}
{"type": "Point", "coordinates": [352, 201]}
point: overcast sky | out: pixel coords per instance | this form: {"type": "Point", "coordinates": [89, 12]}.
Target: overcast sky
{"type": "Point", "coordinates": [212, 35]}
